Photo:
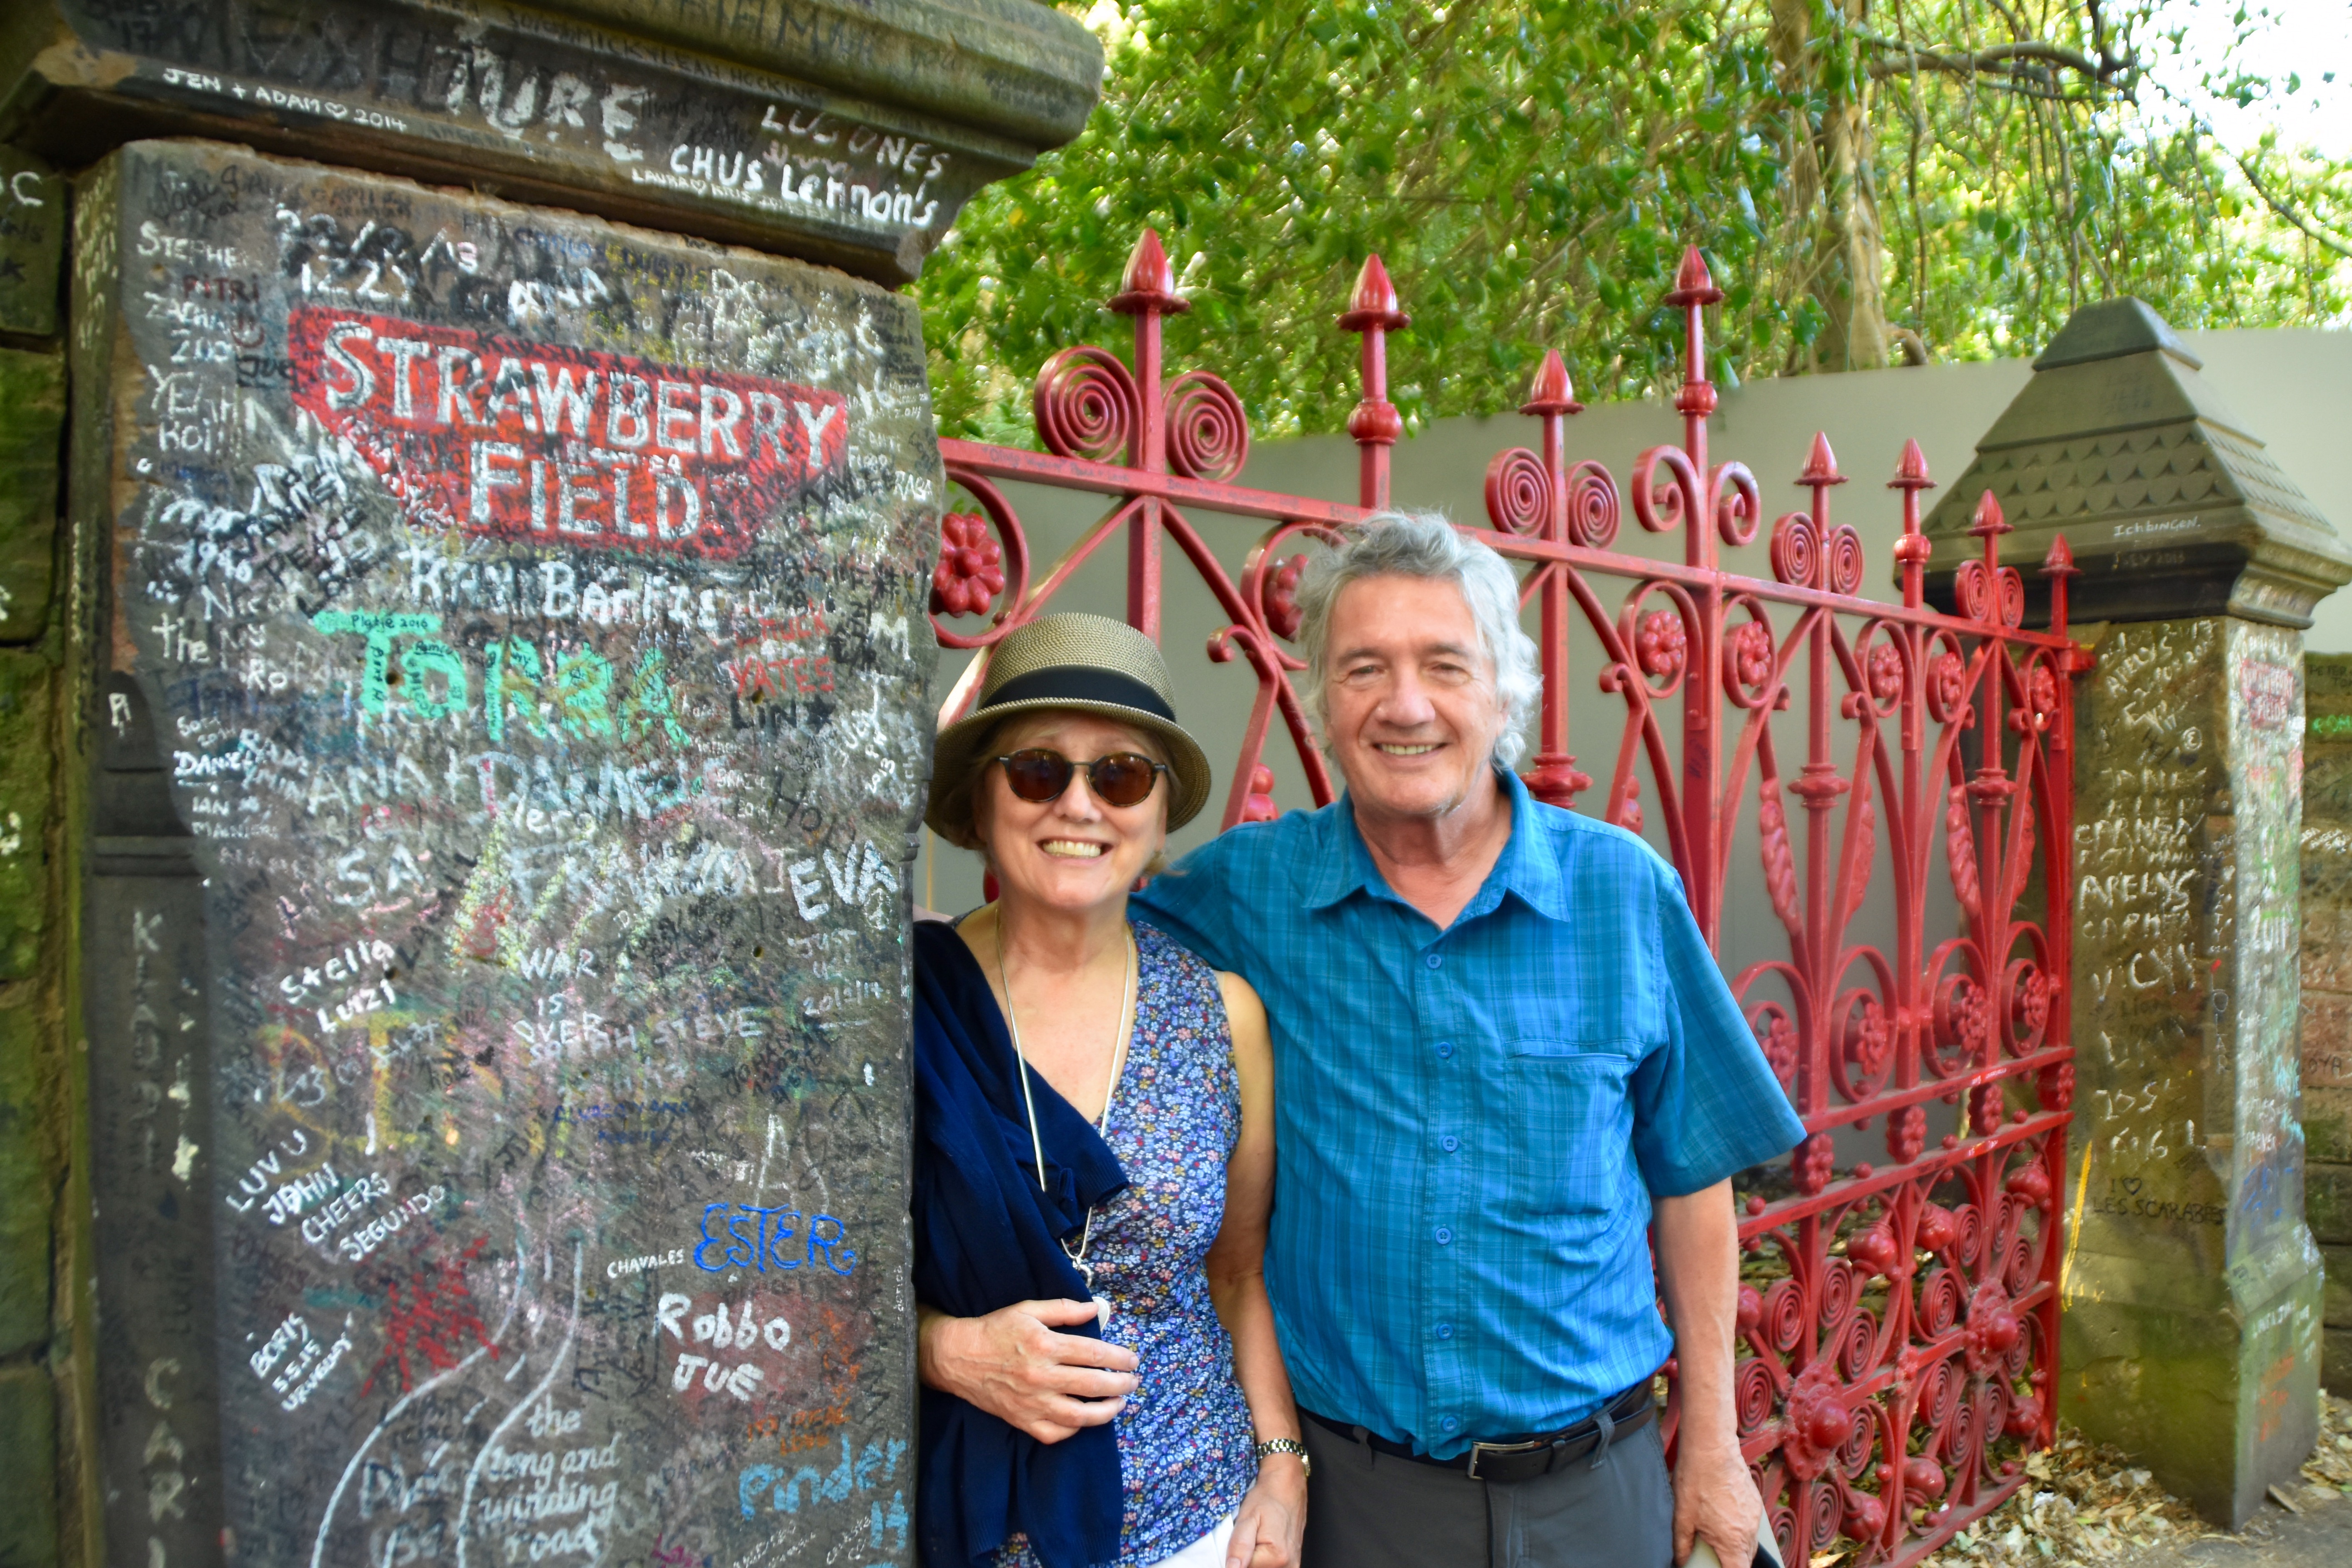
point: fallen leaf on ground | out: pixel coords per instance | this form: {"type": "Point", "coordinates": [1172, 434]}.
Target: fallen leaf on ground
{"type": "Point", "coordinates": [2085, 1503]}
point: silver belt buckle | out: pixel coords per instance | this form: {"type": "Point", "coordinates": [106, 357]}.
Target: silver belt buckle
{"type": "Point", "coordinates": [1479, 1450]}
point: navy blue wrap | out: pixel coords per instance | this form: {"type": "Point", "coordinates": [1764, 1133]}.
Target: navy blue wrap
{"type": "Point", "coordinates": [986, 1237]}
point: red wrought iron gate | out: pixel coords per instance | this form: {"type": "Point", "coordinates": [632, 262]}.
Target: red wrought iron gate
{"type": "Point", "coordinates": [1898, 1318]}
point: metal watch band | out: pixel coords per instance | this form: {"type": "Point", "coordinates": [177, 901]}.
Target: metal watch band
{"type": "Point", "coordinates": [1285, 1445]}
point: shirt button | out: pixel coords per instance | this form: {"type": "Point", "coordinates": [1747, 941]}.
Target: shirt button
{"type": "Point", "coordinates": [1435, 960]}
{"type": "Point", "coordinates": [1444, 1331]}
{"type": "Point", "coordinates": [1450, 1144]}
{"type": "Point", "coordinates": [1443, 1235]}
{"type": "Point", "coordinates": [1451, 1425]}
{"type": "Point", "coordinates": [1445, 1049]}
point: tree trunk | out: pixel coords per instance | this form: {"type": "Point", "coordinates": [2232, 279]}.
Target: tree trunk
{"type": "Point", "coordinates": [1832, 226]}
{"type": "Point", "coordinates": [1850, 289]}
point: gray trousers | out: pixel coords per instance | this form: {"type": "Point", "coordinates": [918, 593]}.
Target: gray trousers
{"type": "Point", "coordinates": [1367, 1509]}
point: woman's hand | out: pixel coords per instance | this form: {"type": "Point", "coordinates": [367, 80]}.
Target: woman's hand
{"type": "Point", "coordinates": [1273, 1516]}
{"type": "Point", "coordinates": [1014, 1365]}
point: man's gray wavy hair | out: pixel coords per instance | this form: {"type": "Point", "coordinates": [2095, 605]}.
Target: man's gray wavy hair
{"type": "Point", "coordinates": [1423, 544]}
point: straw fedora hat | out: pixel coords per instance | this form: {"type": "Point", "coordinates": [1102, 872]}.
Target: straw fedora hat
{"type": "Point", "coordinates": [1089, 664]}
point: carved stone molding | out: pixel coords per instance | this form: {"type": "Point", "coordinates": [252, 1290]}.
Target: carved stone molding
{"type": "Point", "coordinates": [2171, 505]}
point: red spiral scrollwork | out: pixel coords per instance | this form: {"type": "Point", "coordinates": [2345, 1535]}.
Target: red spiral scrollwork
{"type": "Point", "coordinates": [1518, 492]}
{"type": "Point", "coordinates": [1084, 405]}
{"type": "Point", "coordinates": [1796, 551]}
{"type": "Point", "coordinates": [1208, 431]}
{"type": "Point", "coordinates": [1592, 510]}
{"type": "Point", "coordinates": [1841, 561]}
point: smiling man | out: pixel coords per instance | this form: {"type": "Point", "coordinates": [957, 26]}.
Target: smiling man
{"type": "Point", "coordinates": [1506, 1064]}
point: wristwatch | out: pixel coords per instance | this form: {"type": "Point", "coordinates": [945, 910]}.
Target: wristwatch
{"type": "Point", "coordinates": [1287, 1446]}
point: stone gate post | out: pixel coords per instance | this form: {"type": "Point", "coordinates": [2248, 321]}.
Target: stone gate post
{"type": "Point", "coordinates": [460, 758]}
{"type": "Point", "coordinates": [2327, 996]}
{"type": "Point", "coordinates": [2191, 1291]}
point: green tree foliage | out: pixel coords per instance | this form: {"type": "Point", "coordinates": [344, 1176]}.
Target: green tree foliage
{"type": "Point", "coordinates": [1924, 179]}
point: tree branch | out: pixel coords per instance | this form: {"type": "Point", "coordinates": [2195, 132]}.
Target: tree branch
{"type": "Point", "coordinates": [2271, 198]}
{"type": "Point", "coordinates": [2280, 205]}
{"type": "Point", "coordinates": [2000, 59]}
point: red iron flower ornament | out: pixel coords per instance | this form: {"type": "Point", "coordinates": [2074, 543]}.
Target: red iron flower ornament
{"type": "Point", "coordinates": [971, 572]}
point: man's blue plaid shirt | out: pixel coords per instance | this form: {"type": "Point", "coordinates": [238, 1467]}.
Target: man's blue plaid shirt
{"type": "Point", "coordinates": [1470, 1123]}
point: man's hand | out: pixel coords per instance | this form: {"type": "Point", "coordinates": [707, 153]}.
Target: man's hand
{"type": "Point", "coordinates": [1014, 1365]}
{"type": "Point", "coordinates": [1715, 1502]}
{"type": "Point", "coordinates": [1697, 1241]}
{"type": "Point", "coordinates": [1273, 1517]}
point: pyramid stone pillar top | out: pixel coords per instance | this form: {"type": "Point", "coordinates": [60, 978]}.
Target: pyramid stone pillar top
{"type": "Point", "coordinates": [2171, 505]}
{"type": "Point", "coordinates": [845, 131]}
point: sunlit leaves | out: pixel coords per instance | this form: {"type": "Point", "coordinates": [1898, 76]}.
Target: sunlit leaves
{"type": "Point", "coordinates": [1530, 171]}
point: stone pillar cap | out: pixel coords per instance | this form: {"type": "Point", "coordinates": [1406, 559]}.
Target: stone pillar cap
{"type": "Point", "coordinates": [845, 131]}
{"type": "Point", "coordinates": [2111, 329]}
{"type": "Point", "coordinates": [2171, 505]}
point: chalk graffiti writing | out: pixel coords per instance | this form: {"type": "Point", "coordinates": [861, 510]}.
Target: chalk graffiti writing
{"type": "Point", "coordinates": [527, 440]}
{"type": "Point", "coordinates": [380, 1230]}
{"type": "Point", "coordinates": [259, 1180]}
{"type": "Point", "coordinates": [303, 1192]}
{"type": "Point", "coordinates": [620, 1267]}
{"type": "Point", "coordinates": [351, 1200]}
{"type": "Point", "coordinates": [300, 1359]}
{"type": "Point", "coordinates": [786, 1489]}
{"type": "Point", "coordinates": [575, 694]}
{"type": "Point", "coordinates": [753, 1237]}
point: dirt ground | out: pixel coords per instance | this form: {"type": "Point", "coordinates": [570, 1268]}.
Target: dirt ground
{"type": "Point", "coordinates": [2089, 1505]}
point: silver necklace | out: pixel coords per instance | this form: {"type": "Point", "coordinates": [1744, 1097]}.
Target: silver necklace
{"type": "Point", "coordinates": [1102, 1126]}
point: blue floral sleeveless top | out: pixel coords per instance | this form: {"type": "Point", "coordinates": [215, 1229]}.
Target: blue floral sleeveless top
{"type": "Point", "coordinates": [1186, 1447]}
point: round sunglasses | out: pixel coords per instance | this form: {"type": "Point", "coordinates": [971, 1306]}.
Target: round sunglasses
{"type": "Point", "coordinates": [1120, 779]}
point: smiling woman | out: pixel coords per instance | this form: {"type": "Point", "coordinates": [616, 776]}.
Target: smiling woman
{"type": "Point", "coordinates": [1094, 1158]}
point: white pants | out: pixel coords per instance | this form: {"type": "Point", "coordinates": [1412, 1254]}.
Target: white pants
{"type": "Point", "coordinates": [1209, 1551]}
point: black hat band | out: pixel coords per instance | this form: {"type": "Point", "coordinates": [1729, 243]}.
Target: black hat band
{"type": "Point", "coordinates": [1080, 683]}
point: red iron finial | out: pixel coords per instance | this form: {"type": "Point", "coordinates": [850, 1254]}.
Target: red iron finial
{"type": "Point", "coordinates": [1693, 285]}
{"type": "Point", "coordinates": [1551, 393]}
{"type": "Point", "coordinates": [1150, 283]}
{"type": "Point", "coordinates": [2057, 566]}
{"type": "Point", "coordinates": [1375, 304]}
{"type": "Point", "coordinates": [1694, 290]}
{"type": "Point", "coordinates": [1821, 466]}
{"type": "Point", "coordinates": [1914, 550]}
{"type": "Point", "coordinates": [1988, 523]}
{"type": "Point", "coordinates": [1911, 473]}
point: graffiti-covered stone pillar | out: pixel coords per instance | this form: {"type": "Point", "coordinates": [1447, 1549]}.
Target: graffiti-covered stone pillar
{"type": "Point", "coordinates": [2191, 1292]}
{"type": "Point", "coordinates": [2327, 996]}
{"type": "Point", "coordinates": [495, 722]}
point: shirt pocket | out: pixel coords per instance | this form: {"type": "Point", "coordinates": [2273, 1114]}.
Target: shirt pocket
{"type": "Point", "coordinates": [1570, 1120]}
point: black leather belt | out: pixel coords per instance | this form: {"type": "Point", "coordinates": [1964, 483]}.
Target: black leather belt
{"type": "Point", "coordinates": [1524, 1458]}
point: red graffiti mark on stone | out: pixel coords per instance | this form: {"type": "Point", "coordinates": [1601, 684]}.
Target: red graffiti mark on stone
{"type": "Point", "coordinates": [779, 659]}
{"type": "Point", "coordinates": [2269, 691]}
{"type": "Point", "coordinates": [429, 1316]}
{"type": "Point", "coordinates": [563, 445]}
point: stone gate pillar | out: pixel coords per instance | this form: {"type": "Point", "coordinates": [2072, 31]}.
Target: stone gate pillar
{"type": "Point", "coordinates": [2327, 996]}
{"type": "Point", "coordinates": [490, 665]}
{"type": "Point", "coordinates": [2191, 1292]}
